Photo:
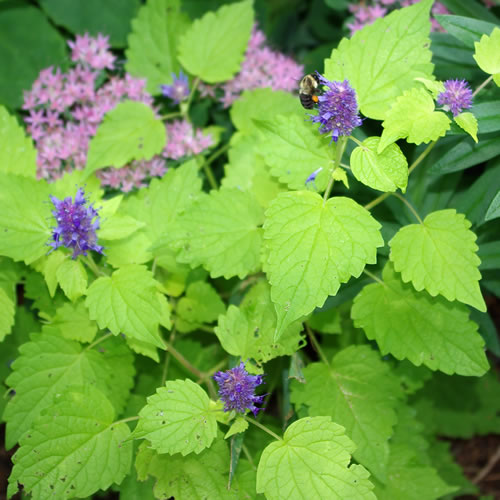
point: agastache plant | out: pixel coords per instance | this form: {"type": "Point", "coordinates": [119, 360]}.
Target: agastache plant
{"type": "Point", "coordinates": [247, 257]}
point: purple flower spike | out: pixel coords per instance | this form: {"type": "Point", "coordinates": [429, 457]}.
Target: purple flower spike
{"type": "Point", "coordinates": [337, 109]}
{"type": "Point", "coordinates": [75, 228]}
{"type": "Point", "coordinates": [179, 89]}
{"type": "Point", "coordinates": [456, 97]}
{"type": "Point", "coordinates": [236, 389]}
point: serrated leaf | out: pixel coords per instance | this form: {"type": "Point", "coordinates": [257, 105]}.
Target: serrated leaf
{"type": "Point", "coordinates": [468, 122]}
{"type": "Point", "coordinates": [314, 247]}
{"type": "Point", "coordinates": [294, 150]}
{"type": "Point", "coordinates": [72, 278]}
{"type": "Point", "coordinates": [487, 53]}
{"type": "Point", "coordinates": [239, 425]}
{"type": "Point", "coordinates": [412, 117]}
{"type": "Point", "coordinates": [152, 45]}
{"type": "Point", "coordinates": [383, 59]}
{"type": "Point", "coordinates": [48, 364]}
{"type": "Point", "coordinates": [316, 453]}
{"type": "Point", "coordinates": [214, 46]}
{"type": "Point", "coordinates": [126, 302]}
{"type": "Point", "coordinates": [7, 311]}
{"type": "Point", "coordinates": [91, 454]}
{"type": "Point", "coordinates": [248, 331]}
{"type": "Point", "coordinates": [493, 211]}
{"type": "Point", "coordinates": [24, 226]}
{"type": "Point", "coordinates": [226, 244]}
{"type": "Point", "coordinates": [425, 330]}
{"type": "Point", "coordinates": [445, 241]}
{"type": "Point", "coordinates": [386, 171]}
{"type": "Point", "coordinates": [118, 226]}
{"type": "Point", "coordinates": [128, 132]}
{"type": "Point", "coordinates": [433, 86]}
{"type": "Point", "coordinates": [49, 266]}
{"type": "Point", "coordinates": [177, 419]}
{"type": "Point", "coordinates": [17, 153]}
{"type": "Point", "coordinates": [360, 393]}
{"type": "Point", "coordinates": [73, 321]}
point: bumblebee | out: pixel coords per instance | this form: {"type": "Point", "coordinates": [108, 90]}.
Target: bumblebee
{"type": "Point", "coordinates": [307, 91]}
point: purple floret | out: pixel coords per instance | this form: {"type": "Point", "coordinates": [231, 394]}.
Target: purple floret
{"type": "Point", "coordinates": [456, 97]}
{"type": "Point", "coordinates": [179, 89]}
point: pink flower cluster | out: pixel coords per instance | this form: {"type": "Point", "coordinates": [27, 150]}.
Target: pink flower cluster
{"type": "Point", "coordinates": [65, 110]}
{"type": "Point", "coordinates": [262, 67]}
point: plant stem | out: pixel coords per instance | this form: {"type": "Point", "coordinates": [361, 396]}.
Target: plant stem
{"type": "Point", "coordinates": [488, 80]}
{"type": "Point", "coordinates": [216, 154]}
{"type": "Point", "coordinates": [317, 347]}
{"type": "Point", "coordinates": [210, 176]}
{"type": "Point", "coordinates": [248, 456]}
{"type": "Point", "coordinates": [357, 141]}
{"type": "Point", "coordinates": [338, 156]}
{"type": "Point", "coordinates": [263, 427]}
{"type": "Point", "coordinates": [191, 95]}
{"type": "Point", "coordinates": [128, 419]}
{"type": "Point", "coordinates": [92, 265]}
{"type": "Point", "coordinates": [424, 153]}
{"type": "Point", "coordinates": [409, 205]}
{"type": "Point", "coordinates": [373, 277]}
{"type": "Point", "coordinates": [376, 201]}
{"type": "Point", "coordinates": [98, 341]}
{"type": "Point", "coordinates": [170, 115]}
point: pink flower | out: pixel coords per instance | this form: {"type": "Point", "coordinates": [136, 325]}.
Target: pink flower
{"type": "Point", "coordinates": [184, 140]}
{"type": "Point", "coordinates": [92, 51]}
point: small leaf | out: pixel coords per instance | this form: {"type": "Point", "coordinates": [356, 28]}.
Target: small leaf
{"type": "Point", "coordinates": [445, 241]}
{"type": "Point", "coordinates": [468, 122]}
{"type": "Point", "coordinates": [386, 171]}
{"type": "Point", "coordinates": [128, 132]}
{"type": "Point", "coordinates": [316, 453]}
{"type": "Point", "coordinates": [49, 267]}
{"type": "Point", "coordinates": [239, 425]}
{"type": "Point", "coordinates": [152, 45]}
{"type": "Point", "coordinates": [494, 208]}
{"type": "Point", "coordinates": [73, 321]}
{"type": "Point", "coordinates": [412, 117]}
{"type": "Point", "coordinates": [425, 330]}
{"type": "Point", "coordinates": [177, 419]}
{"type": "Point", "coordinates": [214, 46]}
{"type": "Point", "coordinates": [91, 453]}
{"type": "Point", "coordinates": [487, 53]}
{"type": "Point", "coordinates": [72, 278]}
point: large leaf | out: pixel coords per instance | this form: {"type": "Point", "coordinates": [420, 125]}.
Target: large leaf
{"type": "Point", "coordinates": [487, 53]}
{"type": "Point", "coordinates": [74, 449]}
{"type": "Point", "coordinates": [312, 461]}
{"type": "Point", "coordinates": [152, 51]}
{"type": "Point", "coordinates": [439, 256]}
{"type": "Point", "coordinates": [425, 330]}
{"type": "Point", "coordinates": [465, 29]}
{"type": "Point", "coordinates": [360, 393]}
{"type": "Point", "coordinates": [383, 59]}
{"type": "Point", "coordinates": [213, 47]}
{"type": "Point", "coordinates": [314, 247]}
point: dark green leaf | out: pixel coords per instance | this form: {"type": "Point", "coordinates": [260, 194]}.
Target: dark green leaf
{"type": "Point", "coordinates": [487, 330]}
{"type": "Point", "coordinates": [470, 8]}
{"type": "Point", "coordinates": [465, 29]}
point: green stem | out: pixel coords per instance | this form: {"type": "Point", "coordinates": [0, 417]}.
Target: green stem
{"type": "Point", "coordinates": [409, 205]}
{"type": "Point", "coordinates": [92, 265]}
{"type": "Point", "coordinates": [419, 160]}
{"type": "Point", "coordinates": [191, 95]}
{"type": "Point", "coordinates": [263, 427]}
{"type": "Point", "coordinates": [373, 277]}
{"type": "Point", "coordinates": [488, 80]}
{"type": "Point", "coordinates": [98, 341]}
{"type": "Point", "coordinates": [376, 201]}
{"type": "Point", "coordinates": [128, 419]}
{"type": "Point", "coordinates": [216, 154]}
{"type": "Point", "coordinates": [210, 176]}
{"type": "Point", "coordinates": [317, 347]}
{"type": "Point", "coordinates": [170, 115]}
{"type": "Point", "coordinates": [248, 456]}
{"type": "Point", "coordinates": [357, 141]}
{"type": "Point", "coordinates": [341, 144]}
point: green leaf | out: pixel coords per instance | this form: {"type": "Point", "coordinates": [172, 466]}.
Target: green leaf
{"type": "Point", "coordinates": [118, 226]}
{"type": "Point", "coordinates": [293, 150]}
{"type": "Point", "coordinates": [177, 419]}
{"type": "Point", "coordinates": [383, 59]}
{"type": "Point", "coordinates": [72, 278]}
{"type": "Point", "coordinates": [327, 321]}
{"type": "Point", "coordinates": [128, 132]}
{"type": "Point", "coordinates": [425, 330]}
{"type": "Point", "coordinates": [17, 153]}
{"type": "Point", "coordinates": [487, 53]}
{"type": "Point", "coordinates": [412, 117]}
{"type": "Point", "coordinates": [24, 226]}
{"type": "Point", "coordinates": [360, 393]}
{"type": "Point", "coordinates": [262, 104]}
{"type": "Point", "coordinates": [49, 266]}
{"type": "Point", "coordinates": [445, 241]}
{"type": "Point", "coordinates": [312, 461]}
{"type": "Point", "coordinates": [493, 211]}
{"type": "Point", "coordinates": [313, 248]}
{"type": "Point", "coordinates": [111, 18]}
{"type": "Point", "coordinates": [239, 425]}
{"type": "Point", "coordinates": [213, 47]}
{"type": "Point", "coordinates": [226, 244]}
{"type": "Point", "coordinates": [152, 51]}
{"type": "Point", "coordinates": [465, 29]}
{"type": "Point", "coordinates": [25, 52]}
{"type": "Point", "coordinates": [91, 454]}
{"type": "Point", "coordinates": [7, 312]}
{"type": "Point", "coordinates": [387, 171]}
{"type": "Point", "coordinates": [73, 321]}
{"type": "Point", "coordinates": [248, 331]}
{"type": "Point", "coordinates": [127, 302]}
{"type": "Point", "coordinates": [49, 364]}
{"type": "Point", "coordinates": [468, 122]}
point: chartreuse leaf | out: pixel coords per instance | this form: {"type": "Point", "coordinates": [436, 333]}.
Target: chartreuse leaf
{"type": "Point", "coordinates": [412, 117]}
{"type": "Point", "coordinates": [468, 122]}
{"type": "Point", "coordinates": [360, 393]}
{"type": "Point", "coordinates": [314, 247]}
{"type": "Point", "coordinates": [213, 47]}
{"type": "Point", "coordinates": [248, 331]}
{"type": "Point", "coordinates": [73, 321]}
{"type": "Point", "coordinates": [439, 256]}
{"type": "Point", "coordinates": [128, 132]}
{"type": "Point", "coordinates": [386, 171]}
{"type": "Point", "coordinates": [425, 330]}
{"type": "Point", "coordinates": [72, 278]}
{"type": "Point", "coordinates": [48, 364]}
{"type": "Point", "coordinates": [17, 153]}
{"type": "Point", "coordinates": [228, 242]}
{"type": "Point", "coordinates": [118, 226]}
{"type": "Point", "coordinates": [24, 226]}
{"type": "Point", "coordinates": [294, 150]}
{"type": "Point", "coordinates": [49, 267]}
{"type": "Point", "coordinates": [494, 208]}
{"type": "Point", "coordinates": [7, 311]}
{"type": "Point", "coordinates": [193, 476]}
{"type": "Point", "coordinates": [487, 53]}
{"type": "Point", "coordinates": [383, 59]}
{"type": "Point", "coordinates": [152, 45]}
{"type": "Point", "coordinates": [74, 449]}
{"type": "Point", "coordinates": [127, 302]}
{"type": "Point", "coordinates": [239, 425]}
{"type": "Point", "coordinates": [177, 419]}
{"type": "Point", "coordinates": [312, 461]}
